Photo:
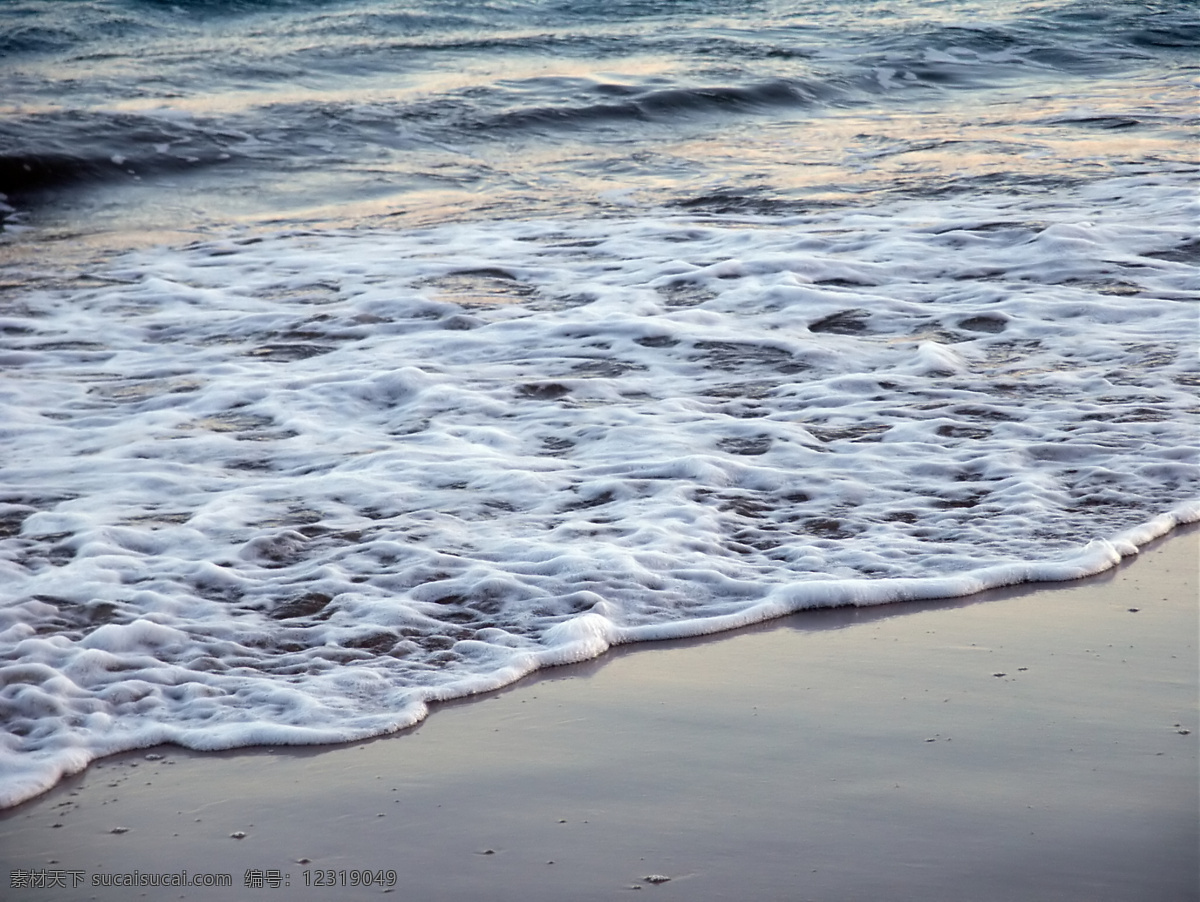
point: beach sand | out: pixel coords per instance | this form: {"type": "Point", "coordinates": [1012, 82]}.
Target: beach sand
{"type": "Point", "coordinates": [1027, 744]}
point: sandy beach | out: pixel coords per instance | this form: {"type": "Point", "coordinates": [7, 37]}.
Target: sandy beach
{"type": "Point", "coordinates": [1034, 743]}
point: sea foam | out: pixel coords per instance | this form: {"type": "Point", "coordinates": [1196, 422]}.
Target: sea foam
{"type": "Point", "coordinates": [292, 489]}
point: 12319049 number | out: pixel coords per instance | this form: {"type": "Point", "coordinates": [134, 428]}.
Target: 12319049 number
{"type": "Point", "coordinates": [350, 878]}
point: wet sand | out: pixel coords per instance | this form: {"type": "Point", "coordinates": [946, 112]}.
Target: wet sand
{"type": "Point", "coordinates": [1037, 743]}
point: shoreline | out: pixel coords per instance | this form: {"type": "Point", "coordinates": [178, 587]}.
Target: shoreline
{"type": "Point", "coordinates": [592, 636]}
{"type": "Point", "coordinates": [1037, 741]}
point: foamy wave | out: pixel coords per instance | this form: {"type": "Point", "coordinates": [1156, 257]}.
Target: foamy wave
{"type": "Point", "coordinates": [292, 490]}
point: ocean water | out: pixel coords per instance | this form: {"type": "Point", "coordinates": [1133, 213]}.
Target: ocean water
{"type": "Point", "coordinates": [357, 355]}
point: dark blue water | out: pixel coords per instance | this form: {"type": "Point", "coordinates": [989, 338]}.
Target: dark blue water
{"type": "Point", "coordinates": [130, 115]}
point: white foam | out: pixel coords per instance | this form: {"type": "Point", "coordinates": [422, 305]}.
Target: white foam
{"type": "Point", "coordinates": [292, 490]}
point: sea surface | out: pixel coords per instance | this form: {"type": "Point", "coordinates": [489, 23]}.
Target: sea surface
{"type": "Point", "coordinates": [357, 355]}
